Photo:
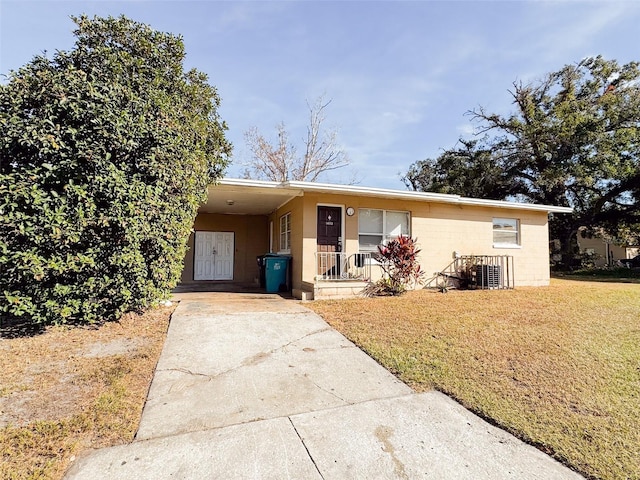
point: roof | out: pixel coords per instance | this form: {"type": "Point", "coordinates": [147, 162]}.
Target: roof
{"type": "Point", "coordinates": [259, 197]}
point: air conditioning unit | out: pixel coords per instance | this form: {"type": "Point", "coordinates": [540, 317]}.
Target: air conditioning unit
{"type": "Point", "coordinates": [488, 276]}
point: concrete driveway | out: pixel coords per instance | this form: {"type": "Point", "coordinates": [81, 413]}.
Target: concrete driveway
{"type": "Point", "coordinates": [253, 386]}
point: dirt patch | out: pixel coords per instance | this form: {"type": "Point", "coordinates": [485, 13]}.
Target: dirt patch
{"type": "Point", "coordinates": [63, 389]}
{"type": "Point", "coordinates": [120, 346]}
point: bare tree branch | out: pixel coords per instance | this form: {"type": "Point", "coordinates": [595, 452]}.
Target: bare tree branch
{"type": "Point", "coordinates": [279, 162]}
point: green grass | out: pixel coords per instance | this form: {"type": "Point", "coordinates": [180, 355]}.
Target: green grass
{"type": "Point", "coordinates": [624, 275]}
{"type": "Point", "coordinates": [557, 366]}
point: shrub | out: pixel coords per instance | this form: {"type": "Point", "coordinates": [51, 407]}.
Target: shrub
{"type": "Point", "coordinates": [399, 262]}
{"type": "Point", "coordinates": [106, 152]}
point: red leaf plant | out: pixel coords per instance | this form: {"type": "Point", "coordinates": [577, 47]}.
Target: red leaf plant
{"type": "Point", "coordinates": [399, 261]}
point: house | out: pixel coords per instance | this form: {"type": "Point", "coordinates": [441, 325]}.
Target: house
{"type": "Point", "coordinates": [604, 250]}
{"type": "Point", "coordinates": [331, 231]}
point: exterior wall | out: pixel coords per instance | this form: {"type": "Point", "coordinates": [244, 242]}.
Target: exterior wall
{"type": "Point", "coordinates": [599, 247]}
{"type": "Point", "coordinates": [440, 229]}
{"type": "Point", "coordinates": [443, 229]}
{"type": "Point", "coordinates": [295, 208]}
{"type": "Point", "coordinates": [251, 239]}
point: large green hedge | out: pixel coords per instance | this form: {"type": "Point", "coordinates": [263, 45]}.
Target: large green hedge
{"type": "Point", "coordinates": [106, 152]}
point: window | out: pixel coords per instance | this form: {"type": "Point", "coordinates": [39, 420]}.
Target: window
{"type": "Point", "coordinates": [285, 233]}
{"type": "Point", "coordinates": [506, 232]}
{"type": "Point", "coordinates": [376, 227]}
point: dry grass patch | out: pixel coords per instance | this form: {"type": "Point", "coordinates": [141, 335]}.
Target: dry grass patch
{"type": "Point", "coordinates": [557, 366]}
{"type": "Point", "coordinates": [68, 389]}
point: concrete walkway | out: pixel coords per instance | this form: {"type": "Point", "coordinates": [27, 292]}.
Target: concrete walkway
{"type": "Point", "coordinates": [253, 386]}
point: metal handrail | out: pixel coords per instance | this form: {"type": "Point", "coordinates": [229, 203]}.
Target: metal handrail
{"type": "Point", "coordinates": [342, 266]}
{"type": "Point", "coordinates": [477, 271]}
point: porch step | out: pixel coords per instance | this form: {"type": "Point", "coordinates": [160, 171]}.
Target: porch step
{"type": "Point", "coordinates": [327, 290]}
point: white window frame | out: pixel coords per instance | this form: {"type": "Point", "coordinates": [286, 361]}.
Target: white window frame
{"type": "Point", "coordinates": [271, 239]}
{"type": "Point", "coordinates": [285, 233]}
{"type": "Point", "coordinates": [386, 236]}
{"type": "Point", "coordinates": [516, 232]}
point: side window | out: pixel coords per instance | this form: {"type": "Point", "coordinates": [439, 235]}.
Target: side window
{"type": "Point", "coordinates": [285, 233]}
{"type": "Point", "coordinates": [506, 232]}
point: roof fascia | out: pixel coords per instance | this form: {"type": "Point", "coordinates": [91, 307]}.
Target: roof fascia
{"type": "Point", "coordinates": [295, 188]}
{"type": "Point", "coordinates": [423, 196]}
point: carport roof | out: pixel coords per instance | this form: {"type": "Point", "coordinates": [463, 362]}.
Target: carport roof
{"type": "Point", "coordinates": [256, 197]}
{"type": "Point", "coordinates": [247, 197]}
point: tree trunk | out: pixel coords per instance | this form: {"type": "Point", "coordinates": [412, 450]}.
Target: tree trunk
{"type": "Point", "coordinates": [569, 248]}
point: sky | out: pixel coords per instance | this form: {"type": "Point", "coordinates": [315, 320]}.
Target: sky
{"type": "Point", "coordinates": [401, 75]}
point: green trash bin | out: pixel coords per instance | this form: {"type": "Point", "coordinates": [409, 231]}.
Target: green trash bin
{"type": "Point", "coordinates": [276, 273]}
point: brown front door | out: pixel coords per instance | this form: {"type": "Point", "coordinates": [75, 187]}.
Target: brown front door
{"type": "Point", "coordinates": [329, 238]}
{"type": "Point", "coordinates": [329, 229]}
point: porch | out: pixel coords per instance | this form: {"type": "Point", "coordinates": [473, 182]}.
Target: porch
{"type": "Point", "coordinates": [340, 275]}
{"type": "Point", "coordinates": [218, 286]}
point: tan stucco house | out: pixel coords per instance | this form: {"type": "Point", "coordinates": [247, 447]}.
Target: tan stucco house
{"type": "Point", "coordinates": [330, 232]}
{"type": "Point", "coordinates": [605, 251]}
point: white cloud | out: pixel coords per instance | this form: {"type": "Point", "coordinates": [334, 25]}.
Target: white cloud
{"type": "Point", "coordinates": [243, 15]}
{"type": "Point", "coordinates": [466, 129]}
{"type": "Point", "coordinates": [562, 30]}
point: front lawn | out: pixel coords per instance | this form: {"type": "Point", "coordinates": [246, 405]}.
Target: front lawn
{"type": "Point", "coordinates": [66, 389]}
{"type": "Point", "coordinates": [558, 366]}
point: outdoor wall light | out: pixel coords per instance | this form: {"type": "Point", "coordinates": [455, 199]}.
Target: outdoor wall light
{"type": "Point", "coordinates": [230, 202]}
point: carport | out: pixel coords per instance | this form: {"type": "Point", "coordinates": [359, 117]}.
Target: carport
{"type": "Point", "coordinates": [231, 229]}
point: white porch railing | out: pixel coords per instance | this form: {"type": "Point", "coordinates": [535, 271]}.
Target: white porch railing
{"type": "Point", "coordinates": [343, 266]}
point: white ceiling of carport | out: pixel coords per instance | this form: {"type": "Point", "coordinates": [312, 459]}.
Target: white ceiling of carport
{"type": "Point", "coordinates": [247, 200]}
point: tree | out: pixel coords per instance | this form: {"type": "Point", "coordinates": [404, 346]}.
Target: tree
{"type": "Point", "coordinates": [106, 153]}
{"type": "Point", "coordinates": [470, 170]}
{"type": "Point", "coordinates": [574, 140]}
{"type": "Point", "coordinates": [279, 161]}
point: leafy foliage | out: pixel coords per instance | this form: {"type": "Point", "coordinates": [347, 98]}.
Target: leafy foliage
{"type": "Point", "coordinates": [470, 170]}
{"type": "Point", "coordinates": [574, 140]}
{"type": "Point", "coordinates": [399, 262]}
{"type": "Point", "coordinates": [106, 152]}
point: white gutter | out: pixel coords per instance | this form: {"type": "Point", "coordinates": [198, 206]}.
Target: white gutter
{"type": "Point", "coordinates": [298, 188]}
{"type": "Point", "coordinates": [515, 205]}
{"type": "Point", "coordinates": [242, 182]}
{"type": "Point", "coordinates": [423, 196]}
{"type": "Point", "coordinates": [276, 188]}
